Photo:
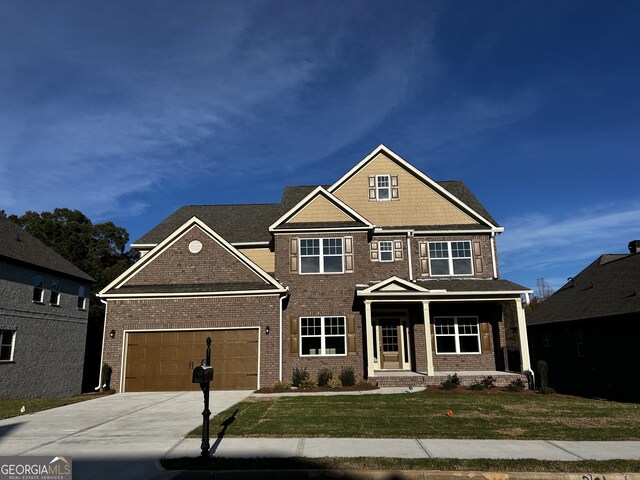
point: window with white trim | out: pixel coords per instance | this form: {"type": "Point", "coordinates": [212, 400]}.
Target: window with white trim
{"type": "Point", "coordinates": [386, 251]}
{"type": "Point", "coordinates": [321, 255]}
{"type": "Point", "coordinates": [460, 335]}
{"type": "Point", "coordinates": [38, 289]}
{"type": "Point", "coordinates": [7, 342]}
{"type": "Point", "coordinates": [82, 297]}
{"type": "Point", "coordinates": [383, 187]}
{"type": "Point", "coordinates": [323, 336]}
{"type": "Point", "coordinates": [54, 299]}
{"type": "Point", "coordinates": [450, 258]}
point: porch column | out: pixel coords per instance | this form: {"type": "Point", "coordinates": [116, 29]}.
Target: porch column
{"type": "Point", "coordinates": [427, 335]}
{"type": "Point", "coordinates": [525, 360]}
{"type": "Point", "coordinates": [369, 335]}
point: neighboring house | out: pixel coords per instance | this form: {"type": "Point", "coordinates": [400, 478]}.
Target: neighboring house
{"type": "Point", "coordinates": [44, 302]}
{"type": "Point", "coordinates": [588, 331]}
{"type": "Point", "coordinates": [385, 271]}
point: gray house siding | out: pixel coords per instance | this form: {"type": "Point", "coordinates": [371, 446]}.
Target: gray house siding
{"type": "Point", "coordinates": [49, 339]}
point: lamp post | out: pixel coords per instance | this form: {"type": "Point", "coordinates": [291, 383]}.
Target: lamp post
{"type": "Point", "coordinates": [203, 374]}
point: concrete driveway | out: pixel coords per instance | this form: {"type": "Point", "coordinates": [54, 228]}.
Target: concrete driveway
{"type": "Point", "coordinates": [120, 436]}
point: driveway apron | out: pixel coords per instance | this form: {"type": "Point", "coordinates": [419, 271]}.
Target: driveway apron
{"type": "Point", "coordinates": [120, 435]}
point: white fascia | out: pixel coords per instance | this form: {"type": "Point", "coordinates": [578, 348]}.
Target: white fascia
{"type": "Point", "coordinates": [236, 293]}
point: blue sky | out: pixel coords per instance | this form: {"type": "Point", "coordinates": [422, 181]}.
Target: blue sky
{"type": "Point", "coordinates": [128, 110]}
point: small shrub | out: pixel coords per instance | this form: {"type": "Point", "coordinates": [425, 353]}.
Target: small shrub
{"type": "Point", "coordinates": [476, 386]}
{"type": "Point", "coordinates": [308, 384]}
{"type": "Point", "coordinates": [488, 382]}
{"type": "Point", "coordinates": [282, 386]}
{"type": "Point", "coordinates": [334, 383]}
{"type": "Point", "coordinates": [347, 377]}
{"type": "Point", "coordinates": [365, 384]}
{"type": "Point", "coordinates": [547, 391]}
{"type": "Point", "coordinates": [299, 375]}
{"type": "Point", "coordinates": [324, 375]}
{"type": "Point", "coordinates": [451, 382]}
{"type": "Point", "coordinates": [516, 386]}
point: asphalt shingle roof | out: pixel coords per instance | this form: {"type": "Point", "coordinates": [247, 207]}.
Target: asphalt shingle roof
{"type": "Point", "coordinates": [609, 286]}
{"type": "Point", "coordinates": [18, 245]}
{"type": "Point", "coordinates": [472, 285]}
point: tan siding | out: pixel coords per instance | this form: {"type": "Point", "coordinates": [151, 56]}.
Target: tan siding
{"type": "Point", "coordinates": [320, 210]}
{"type": "Point", "coordinates": [418, 204]}
{"type": "Point", "coordinates": [263, 257]}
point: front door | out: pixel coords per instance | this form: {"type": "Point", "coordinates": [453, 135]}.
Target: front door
{"type": "Point", "coordinates": [390, 343]}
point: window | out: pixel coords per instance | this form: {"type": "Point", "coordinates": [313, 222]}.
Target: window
{"type": "Point", "coordinates": [38, 289]}
{"type": "Point", "coordinates": [383, 187]}
{"type": "Point", "coordinates": [323, 336]}
{"type": "Point", "coordinates": [82, 297]}
{"type": "Point", "coordinates": [321, 255]}
{"type": "Point", "coordinates": [457, 335]}
{"type": "Point", "coordinates": [386, 251]}
{"type": "Point", "coordinates": [6, 345]}
{"type": "Point", "coordinates": [55, 292]}
{"type": "Point", "coordinates": [580, 343]}
{"type": "Point", "coordinates": [450, 258]}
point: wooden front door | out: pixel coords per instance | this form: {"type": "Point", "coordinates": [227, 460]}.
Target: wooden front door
{"type": "Point", "coordinates": [390, 344]}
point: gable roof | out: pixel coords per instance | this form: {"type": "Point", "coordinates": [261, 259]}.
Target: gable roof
{"type": "Point", "coordinates": [118, 286]}
{"type": "Point", "coordinates": [455, 198]}
{"type": "Point", "coordinates": [608, 286]}
{"type": "Point", "coordinates": [18, 245]}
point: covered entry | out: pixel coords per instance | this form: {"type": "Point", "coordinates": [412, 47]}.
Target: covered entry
{"type": "Point", "coordinates": [163, 360]}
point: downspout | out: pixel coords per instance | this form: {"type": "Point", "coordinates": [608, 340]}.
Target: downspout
{"type": "Point", "coordinates": [104, 332]}
{"type": "Point", "coordinates": [493, 255]}
{"type": "Point", "coordinates": [282, 299]}
{"type": "Point", "coordinates": [409, 235]}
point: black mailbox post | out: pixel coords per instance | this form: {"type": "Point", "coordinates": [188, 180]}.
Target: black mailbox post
{"type": "Point", "coordinates": [203, 374]}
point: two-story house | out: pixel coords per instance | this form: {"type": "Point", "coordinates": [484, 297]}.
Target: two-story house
{"type": "Point", "coordinates": [44, 307]}
{"type": "Point", "coordinates": [385, 271]}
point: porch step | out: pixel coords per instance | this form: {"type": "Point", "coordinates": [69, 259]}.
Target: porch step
{"type": "Point", "coordinates": [421, 380]}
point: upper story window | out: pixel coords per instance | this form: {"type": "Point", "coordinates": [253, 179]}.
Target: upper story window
{"type": "Point", "coordinates": [38, 289]}
{"type": "Point", "coordinates": [457, 335]}
{"type": "Point", "coordinates": [386, 251]}
{"type": "Point", "coordinates": [82, 297]}
{"type": "Point", "coordinates": [321, 255]}
{"type": "Point", "coordinates": [55, 292]}
{"type": "Point", "coordinates": [450, 258]}
{"type": "Point", "coordinates": [6, 345]}
{"type": "Point", "coordinates": [383, 187]}
{"type": "Point", "coordinates": [323, 336]}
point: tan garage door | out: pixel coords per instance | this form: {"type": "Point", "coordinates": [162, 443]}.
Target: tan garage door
{"type": "Point", "coordinates": [163, 361]}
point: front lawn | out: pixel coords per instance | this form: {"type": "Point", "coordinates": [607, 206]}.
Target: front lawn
{"type": "Point", "coordinates": [11, 408]}
{"type": "Point", "coordinates": [500, 415]}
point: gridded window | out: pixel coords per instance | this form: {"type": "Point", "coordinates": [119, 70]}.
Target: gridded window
{"type": "Point", "coordinates": [38, 289]}
{"type": "Point", "coordinates": [386, 251]}
{"type": "Point", "coordinates": [390, 338]}
{"type": "Point", "coordinates": [314, 259]}
{"type": "Point", "coordinates": [55, 292]}
{"type": "Point", "coordinates": [383, 187]}
{"type": "Point", "coordinates": [6, 345]}
{"type": "Point", "coordinates": [82, 297]}
{"type": "Point", "coordinates": [323, 336]}
{"type": "Point", "coordinates": [450, 258]}
{"type": "Point", "coordinates": [457, 335]}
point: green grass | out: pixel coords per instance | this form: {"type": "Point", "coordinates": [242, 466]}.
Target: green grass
{"type": "Point", "coordinates": [475, 415]}
{"type": "Point", "coordinates": [485, 465]}
{"type": "Point", "coordinates": [11, 408]}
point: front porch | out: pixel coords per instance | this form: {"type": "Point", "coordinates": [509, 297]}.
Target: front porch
{"type": "Point", "coordinates": [386, 378]}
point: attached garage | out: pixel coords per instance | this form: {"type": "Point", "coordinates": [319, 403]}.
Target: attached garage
{"type": "Point", "coordinates": [164, 360]}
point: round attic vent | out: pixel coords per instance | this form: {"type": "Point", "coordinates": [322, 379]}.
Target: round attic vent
{"type": "Point", "coordinates": [195, 246]}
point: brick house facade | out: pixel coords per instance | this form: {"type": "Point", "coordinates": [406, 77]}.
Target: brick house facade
{"type": "Point", "coordinates": [385, 271]}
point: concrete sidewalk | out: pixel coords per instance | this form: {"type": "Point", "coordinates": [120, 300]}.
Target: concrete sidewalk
{"type": "Point", "coordinates": [410, 448]}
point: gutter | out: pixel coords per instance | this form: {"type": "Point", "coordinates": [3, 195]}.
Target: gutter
{"type": "Point", "coordinates": [282, 299]}
{"type": "Point", "coordinates": [104, 332]}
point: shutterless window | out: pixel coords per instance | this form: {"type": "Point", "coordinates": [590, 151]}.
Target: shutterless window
{"type": "Point", "coordinates": [386, 251]}
{"type": "Point", "coordinates": [450, 258]}
{"type": "Point", "coordinates": [457, 335]}
{"type": "Point", "coordinates": [6, 345]}
{"type": "Point", "coordinates": [321, 255]}
{"type": "Point", "coordinates": [55, 292]}
{"type": "Point", "coordinates": [383, 187]}
{"type": "Point", "coordinates": [82, 297]}
{"type": "Point", "coordinates": [323, 336]}
{"type": "Point", "coordinates": [38, 289]}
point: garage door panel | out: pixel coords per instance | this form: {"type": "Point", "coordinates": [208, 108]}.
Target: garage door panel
{"type": "Point", "coordinates": [163, 361]}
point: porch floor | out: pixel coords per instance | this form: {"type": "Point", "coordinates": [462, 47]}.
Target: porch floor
{"type": "Point", "coordinates": [404, 378]}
